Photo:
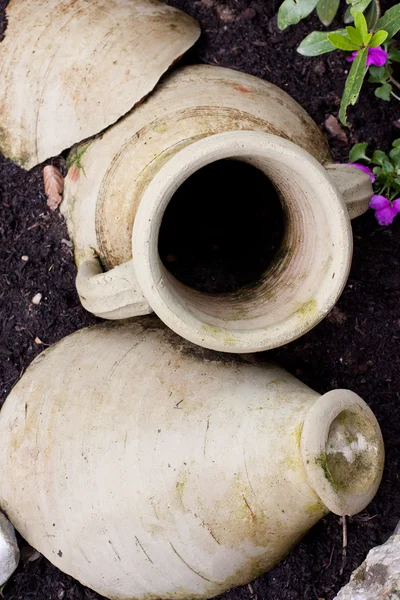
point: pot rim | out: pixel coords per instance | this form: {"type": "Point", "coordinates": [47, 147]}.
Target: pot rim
{"type": "Point", "coordinates": [342, 450]}
{"type": "Point", "coordinates": [166, 295]}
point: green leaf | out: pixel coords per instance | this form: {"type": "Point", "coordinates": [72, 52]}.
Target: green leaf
{"type": "Point", "coordinates": [359, 6]}
{"type": "Point", "coordinates": [361, 26]}
{"type": "Point", "coordinates": [377, 39]}
{"type": "Point", "coordinates": [390, 21]}
{"type": "Point", "coordinates": [379, 157]}
{"type": "Point", "coordinates": [354, 83]}
{"type": "Point", "coordinates": [396, 143]}
{"type": "Point", "coordinates": [387, 167]}
{"type": "Point", "coordinates": [377, 171]}
{"type": "Point", "coordinates": [371, 14]}
{"type": "Point", "coordinates": [342, 42]}
{"type": "Point", "coordinates": [326, 10]}
{"type": "Point", "coordinates": [383, 92]}
{"type": "Point", "coordinates": [292, 12]}
{"type": "Point", "coordinates": [378, 73]}
{"type": "Point", "coordinates": [394, 55]}
{"type": "Point", "coordinates": [367, 39]}
{"type": "Point", "coordinates": [315, 43]}
{"type": "Point", "coordinates": [348, 17]}
{"type": "Point", "coordinates": [358, 153]}
{"type": "Point", "coordinates": [395, 157]}
{"type": "Point", "coordinates": [354, 36]}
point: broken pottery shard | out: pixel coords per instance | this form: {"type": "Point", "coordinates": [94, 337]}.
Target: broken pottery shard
{"type": "Point", "coordinates": [71, 68]}
{"type": "Point", "coordinates": [53, 186]}
{"type": "Point", "coordinates": [378, 578]}
{"type": "Point", "coordinates": [9, 553]}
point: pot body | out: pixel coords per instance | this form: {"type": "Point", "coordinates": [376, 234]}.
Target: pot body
{"type": "Point", "coordinates": [164, 471]}
{"type": "Point", "coordinates": [101, 197]}
{"type": "Point", "coordinates": [114, 204]}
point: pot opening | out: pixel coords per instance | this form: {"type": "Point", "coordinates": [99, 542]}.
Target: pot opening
{"type": "Point", "coordinates": [290, 242]}
{"type": "Point", "coordinates": [342, 451]}
{"type": "Point", "coordinates": [352, 453]}
{"type": "Point", "coordinates": [223, 228]}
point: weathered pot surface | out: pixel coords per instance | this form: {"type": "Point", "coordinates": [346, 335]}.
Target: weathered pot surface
{"type": "Point", "coordinates": [160, 470]}
{"type": "Point", "coordinates": [71, 68]}
{"type": "Point", "coordinates": [198, 115]}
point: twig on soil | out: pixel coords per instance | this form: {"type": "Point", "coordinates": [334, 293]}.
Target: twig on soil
{"type": "Point", "coordinates": [330, 558]}
{"type": "Point", "coordinates": [395, 96]}
{"type": "Point", "coordinates": [394, 81]}
{"type": "Point", "coordinates": [344, 551]}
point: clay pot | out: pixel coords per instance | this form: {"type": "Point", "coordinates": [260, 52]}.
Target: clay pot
{"type": "Point", "coordinates": [128, 176]}
{"type": "Point", "coordinates": [71, 68]}
{"type": "Point", "coordinates": [148, 468]}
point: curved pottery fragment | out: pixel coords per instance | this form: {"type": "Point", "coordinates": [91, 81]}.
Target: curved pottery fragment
{"type": "Point", "coordinates": [71, 68]}
{"type": "Point", "coordinates": [163, 471]}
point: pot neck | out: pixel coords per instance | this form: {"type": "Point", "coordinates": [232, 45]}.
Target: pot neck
{"type": "Point", "coordinates": [342, 451]}
{"type": "Point", "coordinates": [289, 293]}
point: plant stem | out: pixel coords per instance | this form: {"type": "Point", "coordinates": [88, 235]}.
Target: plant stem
{"type": "Point", "coordinates": [393, 80]}
{"type": "Point", "coordinates": [378, 9]}
{"type": "Point", "coordinates": [344, 549]}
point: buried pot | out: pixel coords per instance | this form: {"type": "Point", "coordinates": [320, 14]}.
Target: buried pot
{"type": "Point", "coordinates": [160, 470]}
{"type": "Point", "coordinates": [71, 68]}
{"type": "Point", "coordinates": [121, 185]}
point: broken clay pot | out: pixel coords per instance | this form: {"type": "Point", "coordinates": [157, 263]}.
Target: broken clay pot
{"type": "Point", "coordinates": [161, 470]}
{"type": "Point", "coordinates": [71, 68]}
{"type": "Point", "coordinates": [115, 199]}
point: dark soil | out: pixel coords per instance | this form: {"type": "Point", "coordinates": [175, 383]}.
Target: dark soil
{"type": "Point", "coordinates": [355, 347]}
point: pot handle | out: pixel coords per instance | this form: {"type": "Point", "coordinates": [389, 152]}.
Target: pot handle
{"type": "Point", "coordinates": [112, 294]}
{"type": "Point", "coordinates": [354, 185]}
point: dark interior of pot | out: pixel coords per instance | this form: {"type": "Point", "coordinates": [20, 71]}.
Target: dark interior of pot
{"type": "Point", "coordinates": [223, 228]}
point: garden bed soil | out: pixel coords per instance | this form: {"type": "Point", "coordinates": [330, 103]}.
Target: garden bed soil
{"type": "Point", "coordinates": [356, 346]}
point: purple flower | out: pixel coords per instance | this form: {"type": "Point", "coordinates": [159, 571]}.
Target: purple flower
{"type": "Point", "coordinates": [365, 169]}
{"type": "Point", "coordinates": [385, 211]}
{"type": "Point", "coordinates": [376, 56]}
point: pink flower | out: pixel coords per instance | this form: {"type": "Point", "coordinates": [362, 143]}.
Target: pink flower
{"type": "Point", "coordinates": [365, 169]}
{"type": "Point", "coordinates": [376, 56]}
{"type": "Point", "coordinates": [385, 211]}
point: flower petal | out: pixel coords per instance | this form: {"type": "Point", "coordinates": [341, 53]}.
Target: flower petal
{"type": "Point", "coordinates": [379, 202]}
{"type": "Point", "coordinates": [396, 205]}
{"type": "Point", "coordinates": [352, 57]}
{"type": "Point", "coordinates": [365, 169]}
{"type": "Point", "coordinates": [376, 56]}
{"type": "Point", "coordinates": [385, 216]}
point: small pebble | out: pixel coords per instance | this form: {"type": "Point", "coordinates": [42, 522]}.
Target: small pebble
{"type": "Point", "coordinates": [249, 13]}
{"type": "Point", "coordinates": [38, 341]}
{"type": "Point", "coordinates": [226, 14]}
{"type": "Point", "coordinates": [36, 299]}
{"type": "Point", "coordinates": [25, 258]}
